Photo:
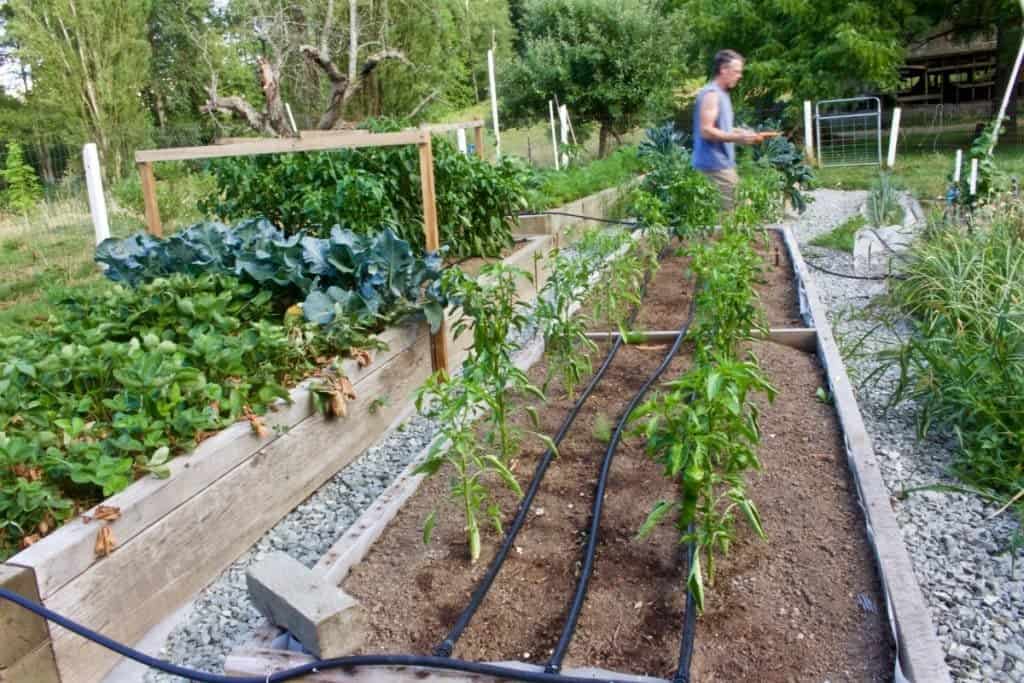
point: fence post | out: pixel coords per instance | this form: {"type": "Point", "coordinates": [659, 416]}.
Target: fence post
{"type": "Point", "coordinates": [808, 133]}
{"type": "Point", "coordinates": [563, 122]}
{"type": "Point", "coordinates": [94, 185]}
{"type": "Point", "coordinates": [478, 140]}
{"type": "Point", "coordinates": [554, 134]}
{"type": "Point", "coordinates": [494, 104]}
{"type": "Point", "coordinates": [149, 198]}
{"type": "Point", "coordinates": [460, 140]}
{"type": "Point", "coordinates": [439, 339]}
{"type": "Point", "coordinates": [956, 166]}
{"type": "Point", "coordinates": [974, 176]}
{"type": "Point", "coordinates": [894, 137]}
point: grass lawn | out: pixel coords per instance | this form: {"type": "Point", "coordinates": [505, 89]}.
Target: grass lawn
{"type": "Point", "coordinates": [841, 237]}
{"type": "Point", "coordinates": [923, 163]}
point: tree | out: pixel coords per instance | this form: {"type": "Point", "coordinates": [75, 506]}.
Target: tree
{"type": "Point", "coordinates": [606, 59]}
{"type": "Point", "coordinates": [89, 61]}
{"type": "Point", "coordinates": [797, 50]}
{"type": "Point", "coordinates": [22, 191]}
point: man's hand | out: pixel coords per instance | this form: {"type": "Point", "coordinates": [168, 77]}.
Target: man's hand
{"type": "Point", "coordinates": [744, 136]}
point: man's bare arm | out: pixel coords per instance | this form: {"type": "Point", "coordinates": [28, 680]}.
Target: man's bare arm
{"type": "Point", "coordinates": [708, 129]}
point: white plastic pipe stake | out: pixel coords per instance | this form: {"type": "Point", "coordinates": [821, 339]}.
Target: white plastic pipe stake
{"type": "Point", "coordinates": [957, 164]}
{"type": "Point", "coordinates": [554, 134]}
{"type": "Point", "coordinates": [563, 120]}
{"type": "Point", "coordinates": [974, 175]}
{"type": "Point", "coordinates": [460, 140]}
{"type": "Point", "coordinates": [808, 132]}
{"type": "Point", "coordinates": [494, 104]}
{"type": "Point", "coordinates": [894, 136]}
{"type": "Point", "coordinates": [94, 185]}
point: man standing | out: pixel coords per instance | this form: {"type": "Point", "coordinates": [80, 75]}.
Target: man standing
{"type": "Point", "coordinates": [714, 153]}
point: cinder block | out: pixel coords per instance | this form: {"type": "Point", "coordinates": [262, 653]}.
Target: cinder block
{"type": "Point", "coordinates": [326, 620]}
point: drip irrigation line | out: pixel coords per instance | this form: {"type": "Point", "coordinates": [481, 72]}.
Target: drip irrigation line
{"type": "Point", "coordinates": [445, 648]}
{"type": "Point", "coordinates": [555, 661]}
{"type": "Point", "coordinates": [850, 276]}
{"type": "Point", "coordinates": [462, 260]}
{"type": "Point", "coordinates": [689, 620]}
{"type": "Point", "coordinates": [354, 662]}
{"type": "Point", "coordinates": [633, 224]}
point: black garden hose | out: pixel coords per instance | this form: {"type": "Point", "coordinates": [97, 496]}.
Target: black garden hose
{"type": "Point", "coordinates": [576, 607]}
{"type": "Point", "coordinates": [689, 620]}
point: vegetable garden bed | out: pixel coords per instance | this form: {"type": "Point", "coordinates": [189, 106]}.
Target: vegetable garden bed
{"type": "Point", "coordinates": [810, 603]}
{"type": "Point", "coordinates": [172, 536]}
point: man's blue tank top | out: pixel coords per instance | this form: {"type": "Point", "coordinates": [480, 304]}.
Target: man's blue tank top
{"type": "Point", "coordinates": [709, 155]}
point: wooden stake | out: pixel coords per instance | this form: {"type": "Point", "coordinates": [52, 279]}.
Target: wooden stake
{"type": "Point", "coordinates": [439, 339]}
{"type": "Point", "coordinates": [149, 198]}
{"type": "Point", "coordinates": [478, 140]}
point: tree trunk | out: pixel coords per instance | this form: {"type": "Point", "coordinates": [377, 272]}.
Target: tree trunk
{"type": "Point", "coordinates": [602, 145]}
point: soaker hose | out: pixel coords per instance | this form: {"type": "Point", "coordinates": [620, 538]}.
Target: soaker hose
{"type": "Point", "coordinates": [354, 662]}
{"type": "Point", "coordinates": [480, 592]}
{"type": "Point", "coordinates": [555, 662]}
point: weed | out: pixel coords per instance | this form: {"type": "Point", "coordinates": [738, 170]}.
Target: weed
{"type": "Point", "coordinates": [602, 430]}
{"type": "Point", "coordinates": [841, 238]}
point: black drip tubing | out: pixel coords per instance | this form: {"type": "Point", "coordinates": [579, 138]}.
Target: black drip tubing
{"type": "Point", "coordinates": [612, 221]}
{"type": "Point", "coordinates": [448, 644]}
{"type": "Point", "coordinates": [689, 620]}
{"type": "Point", "coordinates": [848, 276]}
{"type": "Point", "coordinates": [354, 662]}
{"type": "Point", "coordinates": [555, 662]}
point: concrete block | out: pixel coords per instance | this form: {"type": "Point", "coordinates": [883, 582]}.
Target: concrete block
{"type": "Point", "coordinates": [326, 620]}
{"type": "Point", "coordinates": [874, 249]}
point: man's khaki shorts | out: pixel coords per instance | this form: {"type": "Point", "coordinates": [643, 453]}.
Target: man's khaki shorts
{"type": "Point", "coordinates": [726, 181]}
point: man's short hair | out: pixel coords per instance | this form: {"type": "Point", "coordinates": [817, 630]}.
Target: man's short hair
{"type": "Point", "coordinates": [723, 57]}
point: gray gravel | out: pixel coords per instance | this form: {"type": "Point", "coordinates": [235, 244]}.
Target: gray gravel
{"type": "Point", "coordinates": [977, 606]}
{"type": "Point", "coordinates": [222, 616]}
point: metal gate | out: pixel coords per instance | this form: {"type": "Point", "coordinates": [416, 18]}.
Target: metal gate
{"type": "Point", "coordinates": [849, 131]}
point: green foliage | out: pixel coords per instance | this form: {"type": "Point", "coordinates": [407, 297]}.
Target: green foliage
{"type": "Point", "coordinates": [841, 238]}
{"type": "Point", "coordinates": [122, 378]}
{"type": "Point", "coordinates": [618, 289]}
{"type": "Point", "coordinates": [361, 280]}
{"type": "Point", "coordinates": [991, 180]}
{"type": "Point", "coordinates": [788, 160]}
{"type": "Point", "coordinates": [178, 192]}
{"type": "Point", "coordinates": [602, 430]}
{"type": "Point", "coordinates": [22, 191]}
{"type": "Point", "coordinates": [608, 60]}
{"type": "Point", "coordinates": [703, 429]}
{"type": "Point", "coordinates": [566, 345]}
{"type": "Point", "coordinates": [490, 311]}
{"type": "Point", "coordinates": [367, 190]}
{"type": "Point", "coordinates": [760, 190]}
{"type": "Point", "coordinates": [560, 187]}
{"type": "Point", "coordinates": [883, 203]}
{"type": "Point", "coordinates": [964, 363]}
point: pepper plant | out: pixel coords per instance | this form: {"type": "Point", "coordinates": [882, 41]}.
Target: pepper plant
{"type": "Point", "coordinates": [703, 430]}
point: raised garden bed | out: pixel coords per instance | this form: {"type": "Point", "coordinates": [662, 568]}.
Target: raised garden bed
{"type": "Point", "coordinates": [829, 595]}
{"type": "Point", "coordinates": [174, 535]}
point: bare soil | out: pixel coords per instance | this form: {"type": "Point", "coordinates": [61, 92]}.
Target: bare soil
{"type": "Point", "coordinates": [814, 565]}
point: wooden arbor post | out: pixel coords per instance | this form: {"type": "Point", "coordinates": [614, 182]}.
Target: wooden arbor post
{"type": "Point", "coordinates": [439, 339]}
{"type": "Point", "coordinates": [149, 198]}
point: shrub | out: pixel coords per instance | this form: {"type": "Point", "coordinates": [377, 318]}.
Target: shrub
{"type": "Point", "coordinates": [23, 190]}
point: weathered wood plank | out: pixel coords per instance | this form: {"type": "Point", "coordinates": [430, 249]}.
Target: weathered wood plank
{"type": "Point", "coordinates": [68, 552]}
{"type": "Point", "coordinates": [37, 666]}
{"type": "Point", "coordinates": [283, 145]}
{"type": "Point", "coordinates": [260, 662]}
{"type": "Point", "coordinates": [22, 630]}
{"type": "Point", "coordinates": [132, 589]}
{"type": "Point", "coordinates": [920, 653]}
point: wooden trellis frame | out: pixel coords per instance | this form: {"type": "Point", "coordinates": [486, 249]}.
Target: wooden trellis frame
{"type": "Point", "coordinates": [420, 137]}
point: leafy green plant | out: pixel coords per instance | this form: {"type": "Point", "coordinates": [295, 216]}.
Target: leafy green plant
{"type": "Point", "coordinates": [883, 203]}
{"type": "Point", "coordinates": [704, 430]}
{"type": "Point", "coordinates": [367, 190]}
{"type": "Point", "coordinates": [22, 191]}
{"type": "Point", "coordinates": [566, 345]}
{"type": "Point", "coordinates": [602, 430]}
{"type": "Point", "coordinates": [347, 276]}
{"type": "Point", "coordinates": [782, 155]}
{"type": "Point", "coordinates": [841, 238]}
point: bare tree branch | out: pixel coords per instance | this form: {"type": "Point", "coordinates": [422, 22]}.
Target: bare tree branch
{"type": "Point", "coordinates": [424, 102]}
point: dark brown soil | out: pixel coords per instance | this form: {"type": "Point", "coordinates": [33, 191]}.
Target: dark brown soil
{"type": "Point", "coordinates": [778, 287]}
{"type": "Point", "coordinates": [815, 560]}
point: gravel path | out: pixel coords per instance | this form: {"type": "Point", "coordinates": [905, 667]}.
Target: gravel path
{"type": "Point", "coordinates": [977, 605]}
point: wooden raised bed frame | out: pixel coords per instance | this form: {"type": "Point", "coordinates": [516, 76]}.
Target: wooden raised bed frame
{"type": "Point", "coordinates": [206, 504]}
{"type": "Point", "coordinates": [919, 655]}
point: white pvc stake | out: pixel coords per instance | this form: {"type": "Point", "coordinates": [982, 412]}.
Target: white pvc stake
{"type": "Point", "coordinates": [291, 119]}
{"type": "Point", "coordinates": [563, 121]}
{"type": "Point", "coordinates": [894, 136]}
{"type": "Point", "coordinates": [956, 165]}
{"type": "Point", "coordinates": [494, 104]}
{"type": "Point", "coordinates": [974, 175]}
{"type": "Point", "coordinates": [460, 140]}
{"type": "Point", "coordinates": [1009, 89]}
{"type": "Point", "coordinates": [94, 185]}
{"type": "Point", "coordinates": [808, 133]}
{"type": "Point", "coordinates": [554, 134]}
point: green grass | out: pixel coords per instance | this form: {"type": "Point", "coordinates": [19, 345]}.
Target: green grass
{"type": "Point", "coordinates": [919, 169]}
{"type": "Point", "coordinates": [841, 238]}
{"type": "Point", "coordinates": [559, 187]}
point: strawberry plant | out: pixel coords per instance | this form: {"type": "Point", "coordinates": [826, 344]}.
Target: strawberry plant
{"type": "Point", "coordinates": [703, 430]}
